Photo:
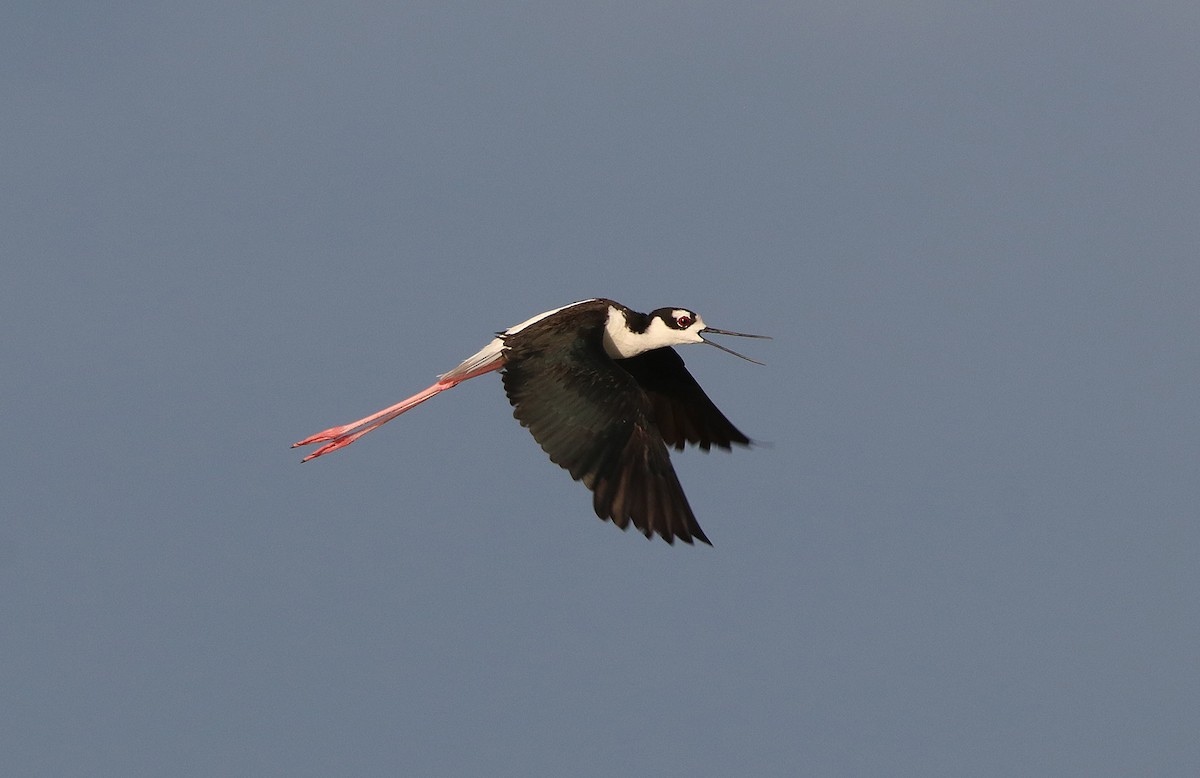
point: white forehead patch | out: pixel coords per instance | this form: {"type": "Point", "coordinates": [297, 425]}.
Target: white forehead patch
{"type": "Point", "coordinates": [621, 343]}
{"type": "Point", "coordinates": [679, 312]}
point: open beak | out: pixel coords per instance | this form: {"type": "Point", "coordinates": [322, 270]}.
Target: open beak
{"type": "Point", "coordinates": [716, 331]}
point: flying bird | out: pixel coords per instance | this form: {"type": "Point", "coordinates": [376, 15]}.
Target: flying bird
{"type": "Point", "coordinates": [604, 394]}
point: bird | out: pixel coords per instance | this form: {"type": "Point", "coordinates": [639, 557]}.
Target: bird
{"type": "Point", "coordinates": [604, 393]}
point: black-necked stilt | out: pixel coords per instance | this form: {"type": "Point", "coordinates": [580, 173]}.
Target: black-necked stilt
{"type": "Point", "coordinates": [604, 394]}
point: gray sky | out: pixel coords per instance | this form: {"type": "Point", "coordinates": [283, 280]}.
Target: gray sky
{"type": "Point", "coordinates": [971, 548]}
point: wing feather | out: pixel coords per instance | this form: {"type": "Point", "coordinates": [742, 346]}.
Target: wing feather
{"type": "Point", "coordinates": [594, 420]}
{"type": "Point", "coordinates": [682, 411]}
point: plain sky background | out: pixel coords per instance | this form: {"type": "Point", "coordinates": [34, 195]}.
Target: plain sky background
{"type": "Point", "coordinates": [971, 547]}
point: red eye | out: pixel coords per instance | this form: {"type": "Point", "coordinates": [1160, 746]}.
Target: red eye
{"type": "Point", "coordinates": [684, 322]}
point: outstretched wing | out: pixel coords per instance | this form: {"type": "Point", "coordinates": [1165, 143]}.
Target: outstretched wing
{"type": "Point", "coordinates": [593, 420]}
{"type": "Point", "coordinates": [682, 411]}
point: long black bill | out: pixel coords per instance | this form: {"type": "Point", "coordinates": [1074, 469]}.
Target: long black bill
{"type": "Point", "coordinates": [716, 331]}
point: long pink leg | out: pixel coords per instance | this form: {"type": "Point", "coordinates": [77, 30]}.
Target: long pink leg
{"type": "Point", "coordinates": [345, 434]}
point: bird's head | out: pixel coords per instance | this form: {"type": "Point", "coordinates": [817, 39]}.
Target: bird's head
{"type": "Point", "coordinates": [662, 328]}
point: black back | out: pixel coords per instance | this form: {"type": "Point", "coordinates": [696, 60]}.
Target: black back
{"type": "Point", "coordinates": [608, 422]}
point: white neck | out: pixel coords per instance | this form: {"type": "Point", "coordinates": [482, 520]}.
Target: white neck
{"type": "Point", "coordinates": [621, 343]}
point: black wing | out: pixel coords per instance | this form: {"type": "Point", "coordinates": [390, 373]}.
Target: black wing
{"type": "Point", "coordinates": [594, 420]}
{"type": "Point", "coordinates": [682, 410]}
